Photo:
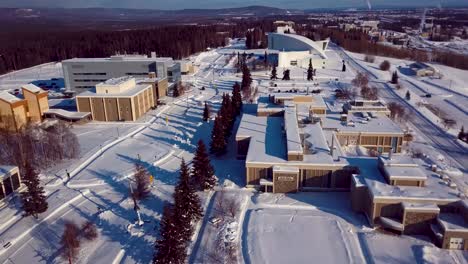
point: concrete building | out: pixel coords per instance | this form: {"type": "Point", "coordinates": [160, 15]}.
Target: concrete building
{"type": "Point", "coordinates": [289, 144]}
{"type": "Point", "coordinates": [122, 99]}
{"type": "Point", "coordinates": [401, 196]}
{"type": "Point", "coordinates": [37, 102]}
{"type": "Point", "coordinates": [422, 69]}
{"type": "Point", "coordinates": [10, 181]}
{"type": "Point", "coordinates": [297, 50]}
{"type": "Point", "coordinates": [82, 74]}
{"type": "Point", "coordinates": [13, 112]}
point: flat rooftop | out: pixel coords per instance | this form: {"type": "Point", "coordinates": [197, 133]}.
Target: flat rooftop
{"type": "Point", "coordinates": [267, 141]}
{"type": "Point", "coordinates": [269, 144]}
{"type": "Point", "coordinates": [33, 88]}
{"type": "Point", "coordinates": [8, 97]}
{"type": "Point", "coordinates": [118, 80]}
{"type": "Point", "coordinates": [453, 222]}
{"type": "Point", "coordinates": [378, 125]}
{"type": "Point", "coordinates": [128, 93]}
{"type": "Point", "coordinates": [120, 58]}
{"type": "Point", "coordinates": [5, 169]}
{"type": "Point", "coordinates": [434, 189]}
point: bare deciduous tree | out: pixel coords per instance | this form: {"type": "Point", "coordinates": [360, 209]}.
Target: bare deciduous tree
{"type": "Point", "coordinates": [70, 242]}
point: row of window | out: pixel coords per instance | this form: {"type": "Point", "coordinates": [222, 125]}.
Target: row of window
{"type": "Point", "coordinates": [87, 80]}
{"type": "Point", "coordinates": [136, 73]}
{"type": "Point", "coordinates": [89, 73]}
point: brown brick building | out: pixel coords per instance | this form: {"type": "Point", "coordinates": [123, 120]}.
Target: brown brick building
{"type": "Point", "coordinates": [122, 99]}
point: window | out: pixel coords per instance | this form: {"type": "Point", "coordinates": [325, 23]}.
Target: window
{"type": "Point", "coordinates": [294, 63]}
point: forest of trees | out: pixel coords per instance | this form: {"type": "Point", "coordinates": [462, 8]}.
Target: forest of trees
{"type": "Point", "coordinates": [358, 41]}
{"type": "Point", "coordinates": [20, 50]}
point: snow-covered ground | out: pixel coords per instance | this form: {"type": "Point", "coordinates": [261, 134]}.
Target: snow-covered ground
{"type": "Point", "coordinates": [266, 228]}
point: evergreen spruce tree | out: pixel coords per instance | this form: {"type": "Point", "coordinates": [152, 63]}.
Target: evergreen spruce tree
{"type": "Point", "coordinates": [310, 71]}
{"type": "Point", "coordinates": [142, 180]}
{"type": "Point", "coordinates": [206, 112]}
{"type": "Point", "coordinates": [395, 77]}
{"type": "Point", "coordinates": [170, 247]}
{"type": "Point", "coordinates": [246, 78]}
{"type": "Point", "coordinates": [34, 199]}
{"type": "Point", "coordinates": [227, 113]}
{"type": "Point", "coordinates": [218, 140]}
{"type": "Point", "coordinates": [202, 171]}
{"type": "Point", "coordinates": [274, 75]}
{"type": "Point", "coordinates": [286, 76]}
{"type": "Point", "coordinates": [408, 95]}
{"type": "Point", "coordinates": [187, 203]}
{"type": "Point", "coordinates": [461, 134]}
{"type": "Point", "coordinates": [236, 98]}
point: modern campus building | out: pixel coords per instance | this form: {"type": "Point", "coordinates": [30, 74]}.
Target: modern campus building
{"type": "Point", "coordinates": [16, 112]}
{"type": "Point", "coordinates": [10, 181]}
{"type": "Point", "coordinates": [122, 99]}
{"type": "Point", "coordinates": [292, 142]}
{"type": "Point", "coordinates": [294, 133]}
{"type": "Point", "coordinates": [297, 50]}
{"type": "Point", "coordinates": [13, 112]}
{"type": "Point", "coordinates": [82, 74]}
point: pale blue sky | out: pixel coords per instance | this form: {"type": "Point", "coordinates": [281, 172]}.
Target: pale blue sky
{"type": "Point", "coordinates": [181, 4]}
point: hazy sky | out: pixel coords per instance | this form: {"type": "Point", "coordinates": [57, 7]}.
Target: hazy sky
{"type": "Point", "coordinates": [181, 4]}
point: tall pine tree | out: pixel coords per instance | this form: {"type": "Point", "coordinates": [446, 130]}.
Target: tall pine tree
{"type": "Point", "coordinates": [246, 79]}
{"type": "Point", "coordinates": [395, 77]}
{"type": "Point", "coordinates": [227, 114]}
{"type": "Point", "coordinates": [236, 98]}
{"type": "Point", "coordinates": [186, 202]}
{"type": "Point", "coordinates": [218, 140]}
{"type": "Point", "coordinates": [286, 76]}
{"type": "Point", "coordinates": [34, 199]}
{"type": "Point", "coordinates": [310, 71]}
{"type": "Point", "coordinates": [170, 247]}
{"type": "Point", "coordinates": [274, 74]}
{"type": "Point", "coordinates": [202, 171]}
{"type": "Point", "coordinates": [142, 180]}
{"type": "Point", "coordinates": [206, 112]}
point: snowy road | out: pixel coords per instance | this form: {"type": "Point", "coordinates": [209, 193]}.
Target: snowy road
{"type": "Point", "coordinates": [160, 144]}
{"type": "Point", "coordinates": [434, 135]}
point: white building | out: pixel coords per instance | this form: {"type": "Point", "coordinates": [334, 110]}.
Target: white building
{"type": "Point", "coordinates": [297, 50]}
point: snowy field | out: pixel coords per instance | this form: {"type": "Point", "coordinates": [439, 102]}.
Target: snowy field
{"type": "Point", "coordinates": [291, 236]}
{"type": "Point", "coordinates": [264, 228]}
{"type": "Point", "coordinates": [44, 72]}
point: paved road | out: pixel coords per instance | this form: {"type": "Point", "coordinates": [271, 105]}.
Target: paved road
{"type": "Point", "coordinates": [435, 136]}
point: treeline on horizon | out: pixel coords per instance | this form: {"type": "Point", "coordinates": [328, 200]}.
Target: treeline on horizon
{"type": "Point", "coordinates": [20, 50]}
{"type": "Point", "coordinates": [358, 41]}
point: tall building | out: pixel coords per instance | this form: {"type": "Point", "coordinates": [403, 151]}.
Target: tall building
{"type": "Point", "coordinates": [82, 74]}
{"type": "Point", "coordinates": [297, 50]}
{"type": "Point", "coordinates": [122, 99]}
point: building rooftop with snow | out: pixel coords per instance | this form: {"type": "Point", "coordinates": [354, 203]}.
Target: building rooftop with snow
{"type": "Point", "coordinates": [82, 74]}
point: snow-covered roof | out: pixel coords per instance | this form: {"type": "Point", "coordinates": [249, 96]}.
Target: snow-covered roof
{"type": "Point", "coordinates": [420, 207]}
{"type": "Point", "coordinates": [305, 42]}
{"type": "Point", "coordinates": [433, 190]}
{"type": "Point", "coordinates": [32, 88]}
{"type": "Point", "coordinates": [285, 169]}
{"type": "Point", "coordinates": [67, 114]}
{"type": "Point", "coordinates": [378, 125]}
{"type": "Point", "coordinates": [5, 169]}
{"type": "Point", "coordinates": [6, 96]}
{"type": "Point", "coordinates": [405, 173]}
{"type": "Point", "coordinates": [127, 93]}
{"type": "Point", "coordinates": [292, 131]}
{"type": "Point", "coordinates": [453, 222]}
{"type": "Point", "coordinates": [267, 141]}
{"type": "Point", "coordinates": [120, 58]}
